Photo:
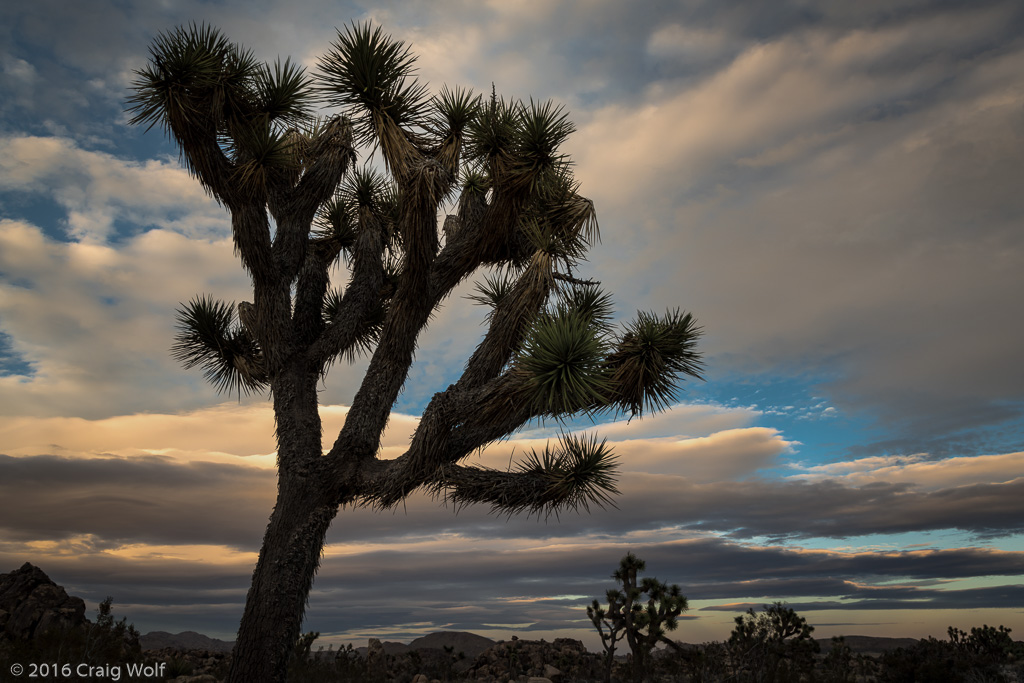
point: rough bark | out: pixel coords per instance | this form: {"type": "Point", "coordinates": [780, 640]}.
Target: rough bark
{"type": "Point", "coordinates": [276, 602]}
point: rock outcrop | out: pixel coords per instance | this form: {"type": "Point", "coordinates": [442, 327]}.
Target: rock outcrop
{"type": "Point", "coordinates": [31, 605]}
{"type": "Point", "coordinates": [470, 644]}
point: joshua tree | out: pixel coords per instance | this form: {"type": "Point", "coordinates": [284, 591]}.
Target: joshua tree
{"type": "Point", "coordinates": [246, 130]}
{"type": "Point", "coordinates": [775, 645]}
{"type": "Point", "coordinates": [642, 623]}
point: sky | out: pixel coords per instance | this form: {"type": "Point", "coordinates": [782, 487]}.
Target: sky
{"type": "Point", "coordinates": [833, 189]}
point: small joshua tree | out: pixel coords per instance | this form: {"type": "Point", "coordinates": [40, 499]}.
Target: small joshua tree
{"type": "Point", "coordinates": [775, 645]}
{"type": "Point", "coordinates": [643, 622]}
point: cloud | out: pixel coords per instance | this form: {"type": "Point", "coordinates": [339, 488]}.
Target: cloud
{"type": "Point", "coordinates": [685, 45]}
{"type": "Point", "coordinates": [99, 191]}
{"type": "Point", "coordinates": [682, 420]}
{"type": "Point", "coordinates": [165, 512]}
{"type": "Point", "coordinates": [860, 211]}
{"type": "Point", "coordinates": [906, 597]}
{"type": "Point", "coordinates": [94, 321]}
{"type": "Point", "coordinates": [924, 472]}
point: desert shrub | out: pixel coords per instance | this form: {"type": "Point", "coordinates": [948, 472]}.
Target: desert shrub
{"type": "Point", "coordinates": [927, 661]}
{"type": "Point", "coordinates": [178, 666]}
{"type": "Point", "coordinates": [838, 664]}
{"type": "Point", "coordinates": [343, 665]}
{"type": "Point", "coordinates": [103, 643]}
{"type": "Point", "coordinates": [981, 656]}
{"type": "Point", "coordinates": [707, 663]}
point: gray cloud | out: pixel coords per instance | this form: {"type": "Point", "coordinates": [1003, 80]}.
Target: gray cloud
{"type": "Point", "coordinates": [155, 500]}
{"type": "Point", "coordinates": [907, 598]}
{"type": "Point", "coordinates": [136, 500]}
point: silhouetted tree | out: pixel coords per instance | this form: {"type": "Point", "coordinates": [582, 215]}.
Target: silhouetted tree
{"type": "Point", "coordinates": [773, 645]}
{"type": "Point", "coordinates": [247, 131]}
{"type": "Point", "coordinates": [642, 612]}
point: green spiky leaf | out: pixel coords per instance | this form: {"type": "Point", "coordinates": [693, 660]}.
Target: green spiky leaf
{"type": "Point", "coordinates": [283, 92]}
{"type": "Point", "coordinates": [580, 471]}
{"type": "Point", "coordinates": [368, 74]}
{"type": "Point", "coordinates": [649, 359]}
{"type": "Point", "coordinates": [176, 85]}
{"type": "Point", "coordinates": [491, 136]}
{"type": "Point", "coordinates": [493, 290]}
{"type": "Point", "coordinates": [563, 356]}
{"type": "Point", "coordinates": [542, 127]}
{"type": "Point", "coordinates": [590, 303]}
{"type": "Point", "coordinates": [209, 338]}
{"type": "Point", "coordinates": [455, 109]}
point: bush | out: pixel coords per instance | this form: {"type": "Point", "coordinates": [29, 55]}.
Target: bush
{"type": "Point", "coordinates": [977, 657]}
{"type": "Point", "coordinates": [104, 643]}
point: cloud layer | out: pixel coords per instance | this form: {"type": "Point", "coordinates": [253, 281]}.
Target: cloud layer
{"type": "Point", "coordinates": [168, 510]}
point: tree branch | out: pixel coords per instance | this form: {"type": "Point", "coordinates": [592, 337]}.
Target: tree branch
{"type": "Point", "coordinates": [325, 162]}
{"type": "Point", "coordinates": [361, 296]}
{"type": "Point", "coordinates": [576, 475]}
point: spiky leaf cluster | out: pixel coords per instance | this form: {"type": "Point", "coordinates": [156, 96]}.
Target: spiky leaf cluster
{"type": "Point", "coordinates": [575, 474]}
{"type": "Point", "coordinates": [517, 143]}
{"type": "Point", "coordinates": [367, 73]}
{"type": "Point", "coordinates": [493, 290]}
{"type": "Point", "coordinates": [579, 471]}
{"type": "Point", "coordinates": [209, 337]}
{"type": "Point", "coordinates": [649, 357]}
{"type": "Point", "coordinates": [212, 97]}
{"type": "Point", "coordinates": [563, 358]}
{"type": "Point", "coordinates": [364, 201]}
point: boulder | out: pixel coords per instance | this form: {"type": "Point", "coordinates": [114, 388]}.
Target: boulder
{"type": "Point", "coordinates": [31, 604]}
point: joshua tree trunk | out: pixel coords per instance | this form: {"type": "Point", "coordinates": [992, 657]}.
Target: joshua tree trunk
{"type": "Point", "coordinates": [247, 132]}
{"type": "Point", "coordinates": [280, 587]}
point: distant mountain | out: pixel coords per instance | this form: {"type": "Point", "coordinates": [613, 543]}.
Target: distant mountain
{"type": "Point", "coordinates": [186, 640]}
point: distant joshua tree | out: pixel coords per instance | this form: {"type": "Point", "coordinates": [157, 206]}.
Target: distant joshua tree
{"type": "Point", "coordinates": [773, 646]}
{"type": "Point", "coordinates": [642, 612]}
{"type": "Point", "coordinates": [299, 206]}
